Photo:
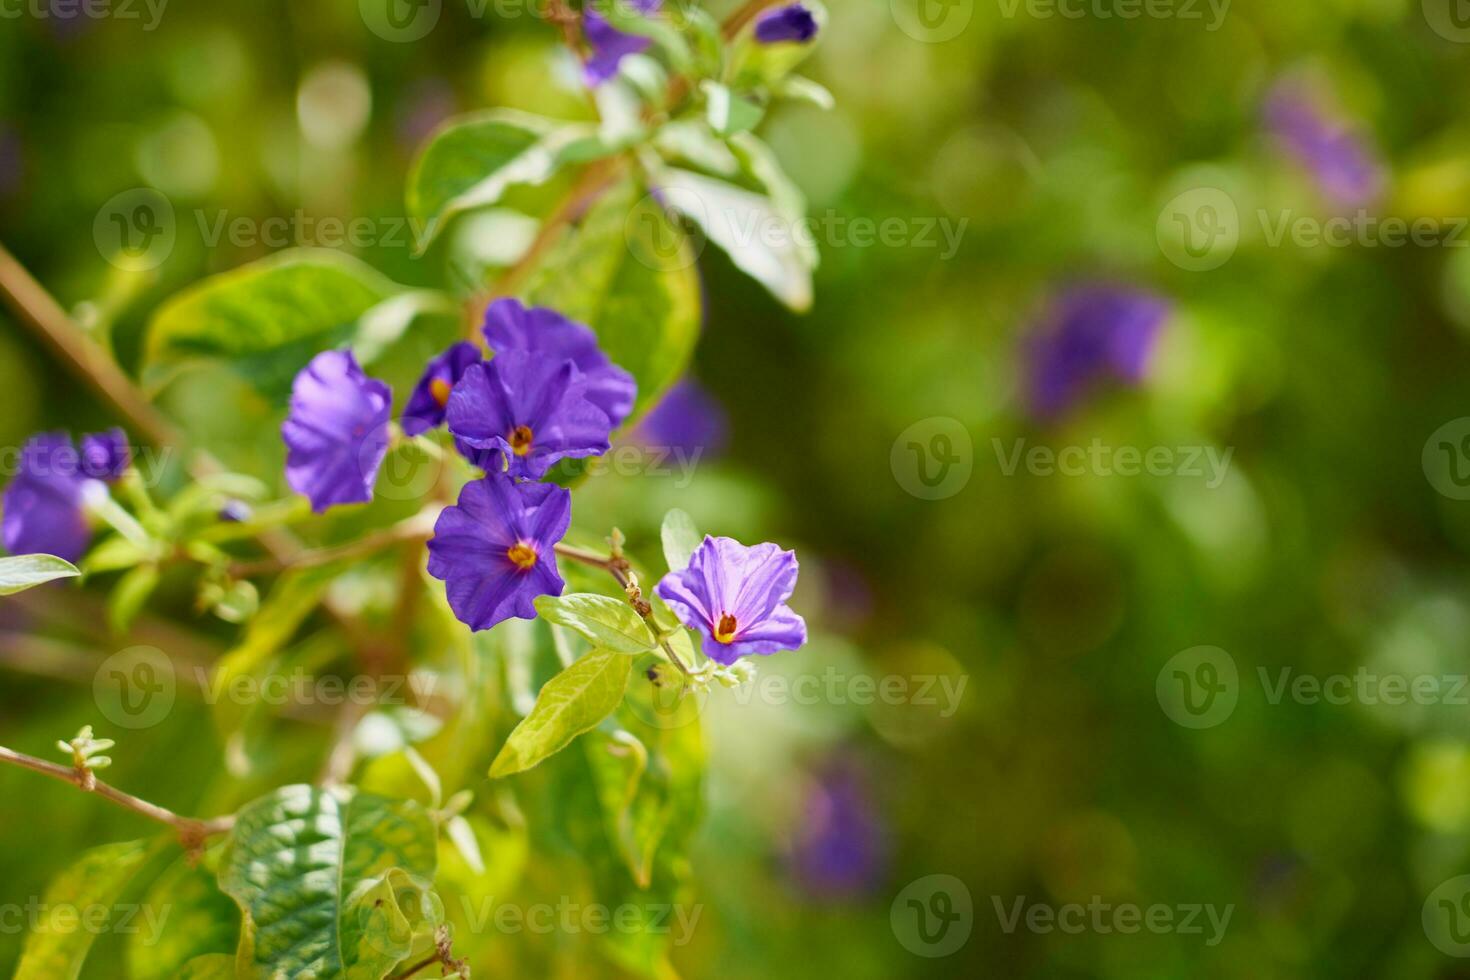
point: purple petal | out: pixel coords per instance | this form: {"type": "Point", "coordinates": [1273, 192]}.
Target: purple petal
{"type": "Point", "coordinates": [105, 455]}
{"type": "Point", "coordinates": [790, 23]}
{"type": "Point", "coordinates": [783, 629]}
{"type": "Point", "coordinates": [424, 410]}
{"type": "Point", "coordinates": [610, 45]}
{"type": "Point", "coordinates": [44, 512]}
{"type": "Point", "coordinates": [337, 433]}
{"type": "Point", "coordinates": [509, 325]}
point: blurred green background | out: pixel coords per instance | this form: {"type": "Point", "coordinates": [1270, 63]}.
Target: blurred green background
{"type": "Point", "coordinates": [1059, 142]}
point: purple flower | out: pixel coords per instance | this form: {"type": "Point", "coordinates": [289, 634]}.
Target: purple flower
{"type": "Point", "coordinates": [511, 326]}
{"type": "Point", "coordinates": [1344, 165]}
{"type": "Point", "coordinates": [736, 597]}
{"type": "Point", "coordinates": [610, 45]}
{"type": "Point", "coordinates": [44, 504]}
{"type": "Point", "coordinates": [790, 23]}
{"type": "Point", "coordinates": [688, 420]}
{"type": "Point", "coordinates": [1092, 333]}
{"type": "Point", "coordinates": [494, 550]}
{"type": "Point", "coordinates": [337, 432]}
{"type": "Point", "coordinates": [105, 455]}
{"type": "Point", "coordinates": [426, 405]}
{"type": "Point", "coordinates": [839, 848]}
{"type": "Point", "coordinates": [531, 409]}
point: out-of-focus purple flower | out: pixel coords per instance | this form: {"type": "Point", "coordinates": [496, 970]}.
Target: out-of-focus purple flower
{"type": "Point", "coordinates": [530, 408]}
{"type": "Point", "coordinates": [427, 403]}
{"type": "Point", "coordinates": [494, 550]}
{"type": "Point", "coordinates": [429, 102]}
{"type": "Point", "coordinates": [509, 325]}
{"type": "Point", "coordinates": [736, 598]}
{"type": "Point", "coordinates": [610, 45]}
{"type": "Point", "coordinates": [1342, 162]}
{"type": "Point", "coordinates": [840, 849]}
{"type": "Point", "coordinates": [235, 511]}
{"type": "Point", "coordinates": [687, 420]}
{"type": "Point", "coordinates": [337, 432]}
{"type": "Point", "coordinates": [789, 23]}
{"type": "Point", "coordinates": [45, 503]}
{"type": "Point", "coordinates": [1090, 334]}
{"type": "Point", "coordinates": [105, 455]}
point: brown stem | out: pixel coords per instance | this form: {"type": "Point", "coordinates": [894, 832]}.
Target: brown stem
{"type": "Point", "coordinates": [191, 831]}
{"type": "Point", "coordinates": [35, 308]}
{"type": "Point", "coordinates": [594, 180]}
{"type": "Point", "coordinates": [419, 527]}
{"type": "Point", "coordinates": [620, 570]}
{"type": "Point", "coordinates": [427, 961]}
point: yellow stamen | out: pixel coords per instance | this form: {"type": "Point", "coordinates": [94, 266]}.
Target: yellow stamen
{"type": "Point", "coordinates": [725, 631]}
{"type": "Point", "coordinates": [521, 555]}
{"type": "Point", "coordinates": [520, 440]}
{"type": "Point", "coordinates": [440, 389]}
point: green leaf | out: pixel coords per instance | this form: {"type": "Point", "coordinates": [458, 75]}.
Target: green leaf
{"type": "Point", "coordinates": [627, 272]}
{"type": "Point", "coordinates": [129, 597]}
{"type": "Point", "coordinates": [202, 920]}
{"type": "Point", "coordinates": [381, 327]}
{"type": "Point", "coordinates": [266, 318]}
{"type": "Point", "coordinates": [799, 88]}
{"type": "Point", "coordinates": [727, 112]}
{"type": "Point", "coordinates": [680, 538]}
{"type": "Point", "coordinates": [320, 876]}
{"type": "Point", "coordinates": [112, 554]}
{"type": "Point", "coordinates": [763, 243]}
{"type": "Point", "coordinates": [23, 572]}
{"type": "Point", "coordinates": [571, 703]}
{"type": "Point", "coordinates": [473, 160]}
{"type": "Point", "coordinates": [606, 622]}
{"type": "Point", "coordinates": [58, 947]}
{"type": "Point", "coordinates": [215, 966]}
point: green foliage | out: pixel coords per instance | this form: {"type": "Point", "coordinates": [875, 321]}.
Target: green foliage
{"type": "Point", "coordinates": [571, 703]}
{"type": "Point", "coordinates": [472, 161]}
{"type": "Point", "coordinates": [606, 622]}
{"type": "Point", "coordinates": [679, 537]}
{"type": "Point", "coordinates": [202, 922]}
{"type": "Point", "coordinates": [22, 572]}
{"type": "Point", "coordinates": [628, 273]}
{"type": "Point", "coordinates": [267, 318]}
{"type": "Point", "coordinates": [57, 950]}
{"type": "Point", "coordinates": [328, 883]}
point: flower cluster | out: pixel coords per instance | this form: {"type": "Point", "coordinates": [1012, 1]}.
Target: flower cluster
{"type": "Point", "coordinates": [45, 505]}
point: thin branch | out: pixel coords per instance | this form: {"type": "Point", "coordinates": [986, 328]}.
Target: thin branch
{"type": "Point", "coordinates": [419, 527]}
{"type": "Point", "coordinates": [35, 308]}
{"type": "Point", "coordinates": [621, 571]}
{"type": "Point", "coordinates": [191, 831]}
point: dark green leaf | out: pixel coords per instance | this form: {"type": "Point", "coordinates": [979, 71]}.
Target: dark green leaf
{"type": "Point", "coordinates": [606, 622]}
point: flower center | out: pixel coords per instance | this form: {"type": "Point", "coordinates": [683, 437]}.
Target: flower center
{"type": "Point", "coordinates": [440, 389]}
{"type": "Point", "coordinates": [520, 439]}
{"type": "Point", "coordinates": [725, 630]}
{"type": "Point", "coordinates": [521, 555]}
